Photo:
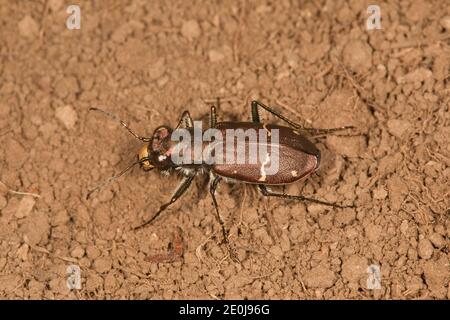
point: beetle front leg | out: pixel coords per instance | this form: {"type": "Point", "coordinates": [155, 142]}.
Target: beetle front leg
{"type": "Point", "coordinates": [184, 185]}
{"type": "Point", "coordinates": [269, 193]}
{"type": "Point", "coordinates": [212, 190]}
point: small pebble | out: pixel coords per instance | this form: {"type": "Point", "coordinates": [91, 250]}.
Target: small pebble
{"type": "Point", "coordinates": [190, 29]}
{"type": "Point", "coordinates": [425, 249]}
{"type": "Point", "coordinates": [67, 115]}
{"type": "Point", "coordinates": [77, 252]}
{"type": "Point", "coordinates": [25, 207]}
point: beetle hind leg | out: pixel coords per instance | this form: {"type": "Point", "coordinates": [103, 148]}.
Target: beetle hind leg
{"type": "Point", "coordinates": [313, 131]}
{"type": "Point", "coordinates": [267, 193]}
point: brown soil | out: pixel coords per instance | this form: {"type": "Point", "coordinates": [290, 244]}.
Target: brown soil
{"type": "Point", "coordinates": [147, 62]}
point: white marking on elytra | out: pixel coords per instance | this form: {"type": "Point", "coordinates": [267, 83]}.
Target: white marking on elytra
{"type": "Point", "coordinates": [162, 157]}
{"type": "Point", "coordinates": [268, 131]}
{"type": "Point", "coordinates": [294, 173]}
{"type": "Point", "coordinates": [263, 171]}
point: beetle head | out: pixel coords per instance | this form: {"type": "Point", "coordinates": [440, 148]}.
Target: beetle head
{"type": "Point", "coordinates": [156, 153]}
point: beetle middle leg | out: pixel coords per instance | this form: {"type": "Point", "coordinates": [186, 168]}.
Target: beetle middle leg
{"type": "Point", "coordinates": [212, 190]}
{"type": "Point", "coordinates": [213, 116]}
{"type": "Point", "coordinates": [313, 131]}
{"type": "Point", "coordinates": [184, 185]}
{"type": "Point", "coordinates": [269, 193]}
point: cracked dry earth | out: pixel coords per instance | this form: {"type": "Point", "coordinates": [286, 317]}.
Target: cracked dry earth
{"type": "Point", "coordinates": [147, 62]}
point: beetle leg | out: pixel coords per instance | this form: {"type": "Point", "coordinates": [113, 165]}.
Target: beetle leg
{"type": "Point", "coordinates": [255, 113]}
{"type": "Point", "coordinates": [316, 132]}
{"type": "Point", "coordinates": [183, 186]}
{"type": "Point", "coordinates": [185, 121]}
{"type": "Point", "coordinates": [268, 193]}
{"type": "Point", "coordinates": [313, 131]}
{"type": "Point", "coordinates": [212, 190]}
{"type": "Point", "coordinates": [213, 117]}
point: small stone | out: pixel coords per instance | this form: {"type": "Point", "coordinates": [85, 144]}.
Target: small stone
{"type": "Point", "coordinates": [60, 218]}
{"type": "Point", "coordinates": [404, 226]}
{"type": "Point", "coordinates": [190, 29]}
{"type": "Point", "coordinates": [398, 128]}
{"type": "Point", "coordinates": [437, 240]}
{"type": "Point", "coordinates": [445, 22]}
{"type": "Point", "coordinates": [425, 249]}
{"type": "Point", "coordinates": [77, 252]}
{"type": "Point", "coordinates": [92, 252]}
{"type": "Point", "coordinates": [67, 115]}
{"type": "Point", "coordinates": [121, 33]}
{"type": "Point", "coordinates": [345, 217]}
{"type": "Point", "coordinates": [25, 207]}
{"type": "Point", "coordinates": [358, 56]}
{"type": "Point", "coordinates": [28, 27]}
{"type": "Point", "coordinates": [102, 264]}
{"type": "Point", "coordinates": [319, 277]}
{"type": "Point", "coordinates": [418, 75]}
{"type": "Point", "coordinates": [380, 193]}
{"type": "Point", "coordinates": [36, 228]}
{"type": "Point", "coordinates": [277, 251]}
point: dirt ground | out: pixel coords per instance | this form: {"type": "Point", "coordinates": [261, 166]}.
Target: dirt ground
{"type": "Point", "coordinates": [147, 61]}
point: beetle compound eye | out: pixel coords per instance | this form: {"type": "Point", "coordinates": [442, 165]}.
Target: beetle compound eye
{"type": "Point", "coordinates": [161, 139]}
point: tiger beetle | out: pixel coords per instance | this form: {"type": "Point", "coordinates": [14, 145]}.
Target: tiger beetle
{"type": "Point", "coordinates": [297, 159]}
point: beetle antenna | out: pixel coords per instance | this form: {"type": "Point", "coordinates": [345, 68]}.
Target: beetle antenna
{"type": "Point", "coordinates": [113, 178]}
{"type": "Point", "coordinates": [114, 117]}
